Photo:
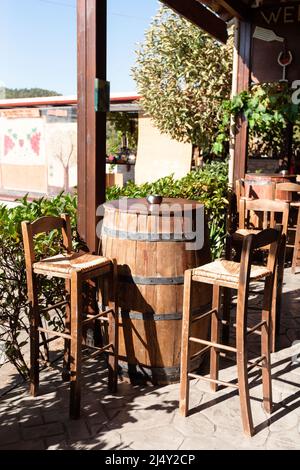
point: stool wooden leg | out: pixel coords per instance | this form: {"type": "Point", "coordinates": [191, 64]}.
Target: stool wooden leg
{"type": "Point", "coordinates": [66, 363]}
{"type": "Point", "coordinates": [34, 338]}
{"type": "Point", "coordinates": [226, 315]}
{"type": "Point", "coordinates": [277, 295]}
{"type": "Point", "coordinates": [242, 362]}
{"type": "Point", "coordinates": [265, 347]}
{"type": "Point", "coordinates": [114, 332]}
{"type": "Point", "coordinates": [296, 254]}
{"type": "Point", "coordinates": [76, 340]}
{"type": "Point", "coordinates": [185, 345]}
{"type": "Point", "coordinates": [215, 337]}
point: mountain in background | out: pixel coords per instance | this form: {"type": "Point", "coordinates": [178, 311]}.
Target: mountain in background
{"type": "Point", "coordinates": [14, 93]}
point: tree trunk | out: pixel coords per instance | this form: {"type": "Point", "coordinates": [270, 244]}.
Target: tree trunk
{"type": "Point", "coordinates": [66, 179]}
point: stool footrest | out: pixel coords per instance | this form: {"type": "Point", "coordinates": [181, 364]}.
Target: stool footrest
{"type": "Point", "coordinates": [57, 305]}
{"type": "Point", "coordinates": [98, 350]}
{"type": "Point", "coordinates": [256, 363]}
{"type": "Point", "coordinates": [254, 329]}
{"type": "Point", "coordinates": [208, 379]}
{"type": "Point", "coordinates": [98, 316]}
{"type": "Point", "coordinates": [199, 353]}
{"type": "Point", "coordinates": [48, 341]}
{"type": "Point", "coordinates": [212, 345]}
{"type": "Point", "coordinates": [204, 315]}
{"type": "Point", "coordinates": [54, 333]}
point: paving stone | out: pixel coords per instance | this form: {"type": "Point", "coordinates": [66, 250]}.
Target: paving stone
{"type": "Point", "coordinates": [28, 419]}
{"type": "Point", "coordinates": [107, 440]}
{"type": "Point", "coordinates": [285, 422]}
{"type": "Point", "coordinates": [54, 415]}
{"type": "Point", "coordinates": [197, 442]}
{"type": "Point", "coordinates": [236, 439]}
{"type": "Point", "coordinates": [77, 430]}
{"type": "Point", "coordinates": [162, 438]}
{"type": "Point", "coordinates": [283, 442]}
{"type": "Point", "coordinates": [45, 430]}
{"type": "Point", "coordinates": [288, 383]}
{"type": "Point", "coordinates": [57, 443]}
{"type": "Point", "coordinates": [139, 419]}
{"type": "Point", "coordinates": [25, 445]}
{"type": "Point", "coordinates": [9, 433]}
{"type": "Point", "coordinates": [196, 424]}
{"type": "Point", "coordinates": [96, 417]}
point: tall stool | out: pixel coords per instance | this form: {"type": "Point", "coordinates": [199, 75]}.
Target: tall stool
{"type": "Point", "coordinates": [294, 204]}
{"type": "Point", "coordinates": [76, 269]}
{"type": "Point", "coordinates": [254, 216]}
{"type": "Point", "coordinates": [224, 274]}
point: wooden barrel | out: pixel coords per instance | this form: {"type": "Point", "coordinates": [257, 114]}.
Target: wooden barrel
{"type": "Point", "coordinates": [151, 265]}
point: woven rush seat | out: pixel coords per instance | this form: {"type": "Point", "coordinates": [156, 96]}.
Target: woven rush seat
{"type": "Point", "coordinates": [68, 263]}
{"type": "Point", "coordinates": [245, 231]}
{"type": "Point", "coordinates": [229, 271]}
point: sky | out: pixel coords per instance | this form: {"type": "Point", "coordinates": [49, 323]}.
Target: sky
{"type": "Point", "coordinates": [38, 42]}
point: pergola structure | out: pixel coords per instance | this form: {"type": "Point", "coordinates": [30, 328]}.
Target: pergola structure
{"type": "Point", "coordinates": [250, 64]}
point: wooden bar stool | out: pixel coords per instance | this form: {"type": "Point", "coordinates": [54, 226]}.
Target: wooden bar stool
{"type": "Point", "coordinates": [260, 214]}
{"type": "Point", "coordinates": [294, 204]}
{"type": "Point", "coordinates": [76, 269]}
{"type": "Point", "coordinates": [229, 274]}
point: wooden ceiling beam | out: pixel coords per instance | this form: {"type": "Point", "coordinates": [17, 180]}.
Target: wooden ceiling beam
{"type": "Point", "coordinates": [236, 8]}
{"type": "Point", "coordinates": [193, 11]}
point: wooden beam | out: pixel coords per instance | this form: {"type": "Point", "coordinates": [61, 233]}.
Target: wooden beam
{"type": "Point", "coordinates": [243, 83]}
{"type": "Point", "coordinates": [236, 8]}
{"type": "Point", "coordinates": [92, 45]}
{"type": "Point", "coordinates": [193, 11]}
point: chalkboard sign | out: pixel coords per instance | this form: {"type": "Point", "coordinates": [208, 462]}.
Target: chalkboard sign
{"type": "Point", "coordinates": [276, 40]}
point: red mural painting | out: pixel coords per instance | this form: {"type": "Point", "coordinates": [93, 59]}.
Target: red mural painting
{"type": "Point", "coordinates": [35, 142]}
{"type": "Point", "coordinates": [8, 144]}
{"type": "Point", "coordinates": [13, 140]}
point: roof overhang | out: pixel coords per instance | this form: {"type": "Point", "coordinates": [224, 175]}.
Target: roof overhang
{"type": "Point", "coordinates": [201, 16]}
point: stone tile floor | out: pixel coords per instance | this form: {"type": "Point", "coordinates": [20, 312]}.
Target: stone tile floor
{"type": "Point", "coordinates": [146, 417]}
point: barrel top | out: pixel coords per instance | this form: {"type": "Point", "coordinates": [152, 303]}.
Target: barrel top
{"type": "Point", "coordinates": [141, 206]}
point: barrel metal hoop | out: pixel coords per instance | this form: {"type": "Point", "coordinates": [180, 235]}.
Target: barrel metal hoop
{"type": "Point", "coordinates": [152, 281]}
{"type": "Point", "coordinates": [155, 374]}
{"type": "Point", "coordinates": [132, 315]}
{"type": "Point", "coordinates": [149, 237]}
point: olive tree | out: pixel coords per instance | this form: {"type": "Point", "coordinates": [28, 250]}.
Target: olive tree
{"type": "Point", "coordinates": [183, 75]}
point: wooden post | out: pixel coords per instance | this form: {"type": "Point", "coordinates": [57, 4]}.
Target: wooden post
{"type": "Point", "coordinates": [92, 45]}
{"type": "Point", "coordinates": [241, 81]}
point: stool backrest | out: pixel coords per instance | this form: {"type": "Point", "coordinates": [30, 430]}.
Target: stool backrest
{"type": "Point", "coordinates": [45, 225]}
{"type": "Point", "coordinates": [288, 188]}
{"type": "Point", "coordinates": [270, 238]}
{"type": "Point", "coordinates": [266, 238]}
{"type": "Point", "coordinates": [239, 191]}
{"type": "Point", "coordinates": [262, 214]}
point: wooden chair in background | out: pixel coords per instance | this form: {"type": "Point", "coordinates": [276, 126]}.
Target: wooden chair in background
{"type": "Point", "coordinates": [224, 274]}
{"type": "Point", "coordinates": [240, 192]}
{"type": "Point", "coordinates": [293, 189]}
{"type": "Point", "coordinates": [76, 269]}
